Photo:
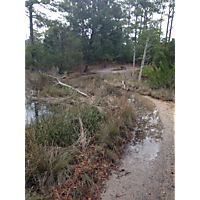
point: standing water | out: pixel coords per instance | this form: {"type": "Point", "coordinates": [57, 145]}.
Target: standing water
{"type": "Point", "coordinates": [148, 133]}
{"type": "Point", "coordinates": [136, 168]}
{"type": "Point", "coordinates": [34, 110]}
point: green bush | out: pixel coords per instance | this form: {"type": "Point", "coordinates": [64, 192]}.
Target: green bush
{"type": "Point", "coordinates": [146, 71]}
{"type": "Point", "coordinates": [163, 77]}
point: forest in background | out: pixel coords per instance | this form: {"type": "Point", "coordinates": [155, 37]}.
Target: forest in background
{"type": "Point", "coordinates": [100, 30]}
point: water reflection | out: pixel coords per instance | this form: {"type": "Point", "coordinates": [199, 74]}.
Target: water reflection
{"type": "Point", "coordinates": [148, 134]}
{"type": "Point", "coordinates": [34, 110]}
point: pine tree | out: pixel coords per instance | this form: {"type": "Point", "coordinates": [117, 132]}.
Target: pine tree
{"type": "Point", "coordinates": [62, 47]}
{"type": "Point", "coordinates": [37, 17]}
{"type": "Point", "coordinates": [98, 25]}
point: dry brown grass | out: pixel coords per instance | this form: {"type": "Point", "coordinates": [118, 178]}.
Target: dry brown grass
{"type": "Point", "coordinates": [143, 87]}
{"type": "Point", "coordinates": [57, 167]}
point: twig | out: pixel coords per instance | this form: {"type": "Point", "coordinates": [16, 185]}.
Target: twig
{"type": "Point", "coordinates": [83, 136]}
{"type": "Point", "coordinates": [118, 196]}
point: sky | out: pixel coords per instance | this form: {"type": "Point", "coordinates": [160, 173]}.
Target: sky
{"type": "Point", "coordinates": [53, 15]}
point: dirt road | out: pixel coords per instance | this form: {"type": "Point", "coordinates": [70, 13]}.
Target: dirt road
{"type": "Point", "coordinates": [144, 177]}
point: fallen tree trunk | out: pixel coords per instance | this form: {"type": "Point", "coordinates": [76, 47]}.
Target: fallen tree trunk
{"type": "Point", "coordinates": [63, 84]}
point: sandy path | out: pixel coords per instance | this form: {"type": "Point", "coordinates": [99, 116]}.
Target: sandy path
{"type": "Point", "coordinates": [152, 179]}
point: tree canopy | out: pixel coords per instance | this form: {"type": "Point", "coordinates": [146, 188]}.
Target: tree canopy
{"type": "Point", "coordinates": [97, 31]}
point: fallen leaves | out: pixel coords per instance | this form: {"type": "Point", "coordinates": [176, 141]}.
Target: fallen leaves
{"type": "Point", "coordinates": [87, 178]}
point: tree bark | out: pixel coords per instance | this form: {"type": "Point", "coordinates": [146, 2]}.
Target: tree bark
{"type": "Point", "coordinates": [134, 59]}
{"type": "Point", "coordinates": [162, 12]}
{"type": "Point", "coordinates": [171, 23]}
{"type": "Point", "coordinates": [145, 20]}
{"type": "Point", "coordinates": [140, 24]}
{"type": "Point", "coordinates": [135, 46]}
{"type": "Point", "coordinates": [144, 55]}
{"type": "Point", "coordinates": [168, 20]}
{"type": "Point", "coordinates": [31, 24]}
{"type": "Point", "coordinates": [136, 27]}
{"type": "Point", "coordinates": [30, 8]}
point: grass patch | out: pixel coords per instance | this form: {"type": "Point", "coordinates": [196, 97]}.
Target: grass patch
{"type": "Point", "coordinates": [57, 165]}
{"type": "Point", "coordinates": [161, 89]}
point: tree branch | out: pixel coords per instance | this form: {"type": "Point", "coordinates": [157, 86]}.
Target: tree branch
{"type": "Point", "coordinates": [82, 135]}
{"type": "Point", "coordinates": [65, 84]}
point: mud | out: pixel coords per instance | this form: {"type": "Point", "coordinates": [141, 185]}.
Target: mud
{"type": "Point", "coordinates": [147, 168]}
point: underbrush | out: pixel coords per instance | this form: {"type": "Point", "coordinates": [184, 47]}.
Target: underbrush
{"type": "Point", "coordinates": [157, 83]}
{"type": "Point", "coordinates": [70, 153]}
{"type": "Point", "coordinates": [162, 77]}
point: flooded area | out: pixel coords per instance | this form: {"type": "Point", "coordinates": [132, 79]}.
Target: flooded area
{"type": "Point", "coordinates": [146, 169]}
{"type": "Point", "coordinates": [149, 129]}
{"type": "Point", "coordinates": [147, 166]}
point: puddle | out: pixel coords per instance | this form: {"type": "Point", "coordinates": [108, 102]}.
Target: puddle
{"type": "Point", "coordinates": [148, 135]}
{"type": "Point", "coordinates": [145, 144]}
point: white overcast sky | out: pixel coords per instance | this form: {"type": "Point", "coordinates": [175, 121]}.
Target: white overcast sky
{"type": "Point", "coordinates": [54, 15]}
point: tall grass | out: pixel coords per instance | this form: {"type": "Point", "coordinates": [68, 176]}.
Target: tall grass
{"type": "Point", "coordinates": [158, 83]}
{"type": "Point", "coordinates": [57, 166]}
{"type": "Point", "coordinates": [35, 80]}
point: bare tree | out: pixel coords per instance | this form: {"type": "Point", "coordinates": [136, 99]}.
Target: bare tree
{"type": "Point", "coordinates": [134, 49]}
{"type": "Point", "coordinates": [171, 20]}
{"type": "Point", "coordinates": [168, 19]}
{"type": "Point", "coordinates": [145, 51]}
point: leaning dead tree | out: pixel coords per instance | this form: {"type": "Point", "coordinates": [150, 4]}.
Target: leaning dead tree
{"type": "Point", "coordinates": [63, 84]}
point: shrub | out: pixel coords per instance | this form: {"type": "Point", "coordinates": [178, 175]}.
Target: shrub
{"type": "Point", "coordinates": [163, 77]}
{"type": "Point", "coordinates": [146, 71]}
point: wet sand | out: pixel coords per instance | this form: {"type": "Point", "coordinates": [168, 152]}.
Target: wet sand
{"type": "Point", "coordinates": [149, 172]}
